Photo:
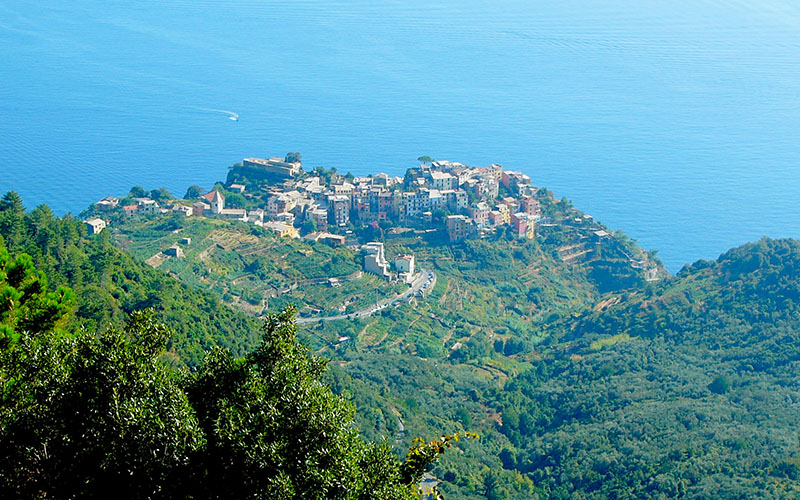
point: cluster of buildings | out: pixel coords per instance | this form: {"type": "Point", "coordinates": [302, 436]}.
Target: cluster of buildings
{"type": "Point", "coordinates": [521, 214]}
{"type": "Point", "coordinates": [465, 200]}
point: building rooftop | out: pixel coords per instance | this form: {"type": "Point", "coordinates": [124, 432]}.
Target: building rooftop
{"type": "Point", "coordinates": [213, 195]}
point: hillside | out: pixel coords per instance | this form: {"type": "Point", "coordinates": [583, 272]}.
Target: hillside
{"type": "Point", "coordinates": [581, 384]}
{"type": "Point", "coordinates": [110, 284]}
{"type": "Point", "coordinates": [104, 414]}
{"type": "Point", "coordinates": [557, 362]}
{"type": "Point", "coordinates": [431, 363]}
{"type": "Point", "coordinates": [497, 285]}
{"type": "Point", "coordinates": [688, 388]}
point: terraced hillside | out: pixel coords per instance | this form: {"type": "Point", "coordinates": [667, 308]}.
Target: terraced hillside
{"type": "Point", "coordinates": [484, 290]}
{"type": "Point", "coordinates": [434, 362]}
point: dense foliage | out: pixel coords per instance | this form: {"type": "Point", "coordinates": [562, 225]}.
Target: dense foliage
{"type": "Point", "coordinates": [109, 284]}
{"type": "Point", "coordinates": [687, 389]}
{"type": "Point", "coordinates": [26, 303]}
{"type": "Point", "coordinates": [88, 415]}
{"type": "Point", "coordinates": [548, 358]}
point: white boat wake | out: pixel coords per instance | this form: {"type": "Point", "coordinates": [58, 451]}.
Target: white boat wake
{"type": "Point", "coordinates": [231, 115]}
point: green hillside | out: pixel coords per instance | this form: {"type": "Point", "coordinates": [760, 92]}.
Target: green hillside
{"type": "Point", "coordinates": [436, 362]}
{"type": "Point", "coordinates": [583, 379]}
{"type": "Point", "coordinates": [110, 284]}
{"type": "Point", "coordinates": [499, 288]}
{"type": "Point", "coordinates": [103, 414]}
{"type": "Point", "coordinates": [685, 389]}
{"type": "Point", "coordinates": [580, 381]}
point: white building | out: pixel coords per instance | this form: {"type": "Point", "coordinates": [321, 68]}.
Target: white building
{"type": "Point", "coordinates": [95, 225]}
{"type": "Point", "coordinates": [147, 206]}
{"type": "Point", "coordinates": [404, 264]}
{"type": "Point", "coordinates": [217, 202]}
{"type": "Point", "coordinates": [443, 181]}
{"type": "Point", "coordinates": [107, 203]}
{"type": "Point", "coordinates": [256, 216]}
{"type": "Point", "coordinates": [344, 189]}
{"type": "Point", "coordinates": [435, 200]}
{"type": "Point", "coordinates": [187, 211]}
{"type": "Point", "coordinates": [233, 213]}
{"type": "Point", "coordinates": [374, 259]}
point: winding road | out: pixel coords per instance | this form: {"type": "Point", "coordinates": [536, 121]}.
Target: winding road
{"type": "Point", "coordinates": [423, 281]}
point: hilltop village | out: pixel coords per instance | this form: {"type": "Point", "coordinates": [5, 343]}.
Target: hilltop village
{"type": "Point", "coordinates": [461, 201]}
{"type": "Point", "coordinates": [466, 200]}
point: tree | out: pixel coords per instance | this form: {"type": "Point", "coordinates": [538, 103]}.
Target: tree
{"type": "Point", "coordinates": [94, 415]}
{"type": "Point", "coordinates": [12, 213]}
{"type": "Point", "coordinates": [235, 200]}
{"type": "Point", "coordinates": [425, 159]}
{"type": "Point", "coordinates": [423, 453]}
{"type": "Point", "coordinates": [308, 226]}
{"type": "Point", "coordinates": [294, 157]}
{"type": "Point", "coordinates": [25, 302]}
{"type": "Point", "coordinates": [102, 415]}
{"type": "Point", "coordinates": [274, 429]}
{"type": "Point", "coordinates": [161, 194]}
{"type": "Point", "coordinates": [463, 415]}
{"type": "Point", "coordinates": [720, 385]}
{"type": "Point", "coordinates": [11, 202]}
{"type": "Point", "coordinates": [193, 192]}
{"type": "Point", "coordinates": [440, 215]}
{"type": "Point", "coordinates": [137, 192]}
{"type": "Point", "coordinates": [271, 424]}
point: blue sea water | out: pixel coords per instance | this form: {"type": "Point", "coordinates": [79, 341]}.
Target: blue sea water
{"type": "Point", "coordinates": [676, 121]}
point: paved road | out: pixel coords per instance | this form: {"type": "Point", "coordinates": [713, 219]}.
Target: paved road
{"type": "Point", "coordinates": [423, 281]}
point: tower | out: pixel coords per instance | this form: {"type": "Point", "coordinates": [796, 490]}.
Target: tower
{"type": "Point", "coordinates": [217, 202]}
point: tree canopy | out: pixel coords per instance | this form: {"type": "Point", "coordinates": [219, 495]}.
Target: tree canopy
{"type": "Point", "coordinates": [104, 415]}
{"type": "Point", "coordinates": [161, 194]}
{"type": "Point", "coordinates": [193, 192]}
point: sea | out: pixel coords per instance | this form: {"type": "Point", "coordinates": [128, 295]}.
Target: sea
{"type": "Point", "coordinates": [675, 121]}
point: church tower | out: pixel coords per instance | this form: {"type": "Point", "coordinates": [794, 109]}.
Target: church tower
{"type": "Point", "coordinates": [217, 203]}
